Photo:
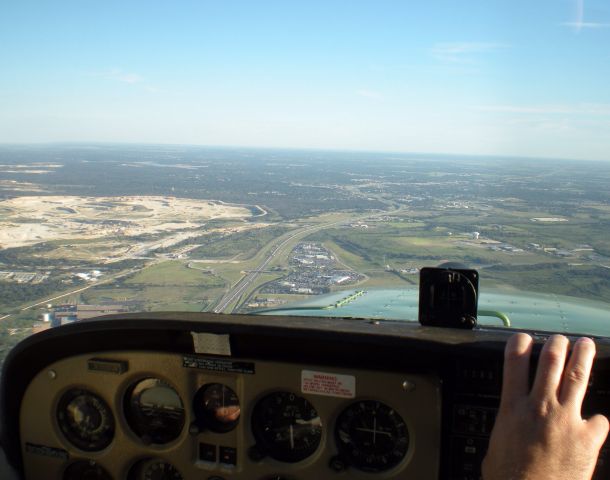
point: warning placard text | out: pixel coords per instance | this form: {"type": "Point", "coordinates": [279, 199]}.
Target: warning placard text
{"type": "Point", "coordinates": [328, 384]}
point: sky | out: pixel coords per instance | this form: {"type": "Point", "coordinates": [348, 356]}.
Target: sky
{"type": "Point", "coordinates": [511, 77]}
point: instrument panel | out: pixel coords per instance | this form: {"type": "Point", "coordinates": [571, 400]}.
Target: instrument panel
{"type": "Point", "coordinates": [205, 396]}
{"type": "Point", "coordinates": [137, 415]}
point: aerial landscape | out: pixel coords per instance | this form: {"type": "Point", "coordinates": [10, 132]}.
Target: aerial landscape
{"type": "Point", "coordinates": [147, 228]}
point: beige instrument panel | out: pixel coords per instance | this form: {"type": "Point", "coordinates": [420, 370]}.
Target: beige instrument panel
{"type": "Point", "coordinates": [344, 423]}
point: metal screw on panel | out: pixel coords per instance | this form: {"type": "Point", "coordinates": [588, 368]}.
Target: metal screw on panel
{"type": "Point", "coordinates": [52, 374]}
{"type": "Point", "coordinates": [408, 386]}
{"type": "Point", "coordinates": [468, 321]}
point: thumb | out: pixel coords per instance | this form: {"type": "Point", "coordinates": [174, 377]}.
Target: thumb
{"type": "Point", "coordinates": [597, 427]}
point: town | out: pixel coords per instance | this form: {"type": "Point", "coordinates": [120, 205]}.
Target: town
{"type": "Point", "coordinates": [314, 271]}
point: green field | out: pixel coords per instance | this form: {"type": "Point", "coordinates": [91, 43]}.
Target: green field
{"type": "Point", "coordinates": [369, 251]}
{"type": "Point", "coordinates": [168, 285]}
{"type": "Point", "coordinates": [174, 273]}
{"type": "Point", "coordinates": [241, 245]}
{"type": "Point", "coordinates": [153, 298]}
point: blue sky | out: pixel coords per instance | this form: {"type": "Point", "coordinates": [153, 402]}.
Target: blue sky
{"type": "Point", "coordinates": [512, 77]}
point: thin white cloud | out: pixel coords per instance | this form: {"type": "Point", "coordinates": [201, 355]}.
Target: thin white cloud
{"type": "Point", "coordinates": [463, 52]}
{"type": "Point", "coordinates": [580, 12]}
{"type": "Point", "coordinates": [130, 78]}
{"type": "Point", "coordinates": [119, 76]}
{"type": "Point", "coordinates": [578, 26]}
{"type": "Point", "coordinates": [556, 124]}
{"type": "Point", "coordinates": [602, 109]}
{"type": "Point", "coordinates": [578, 23]}
{"type": "Point", "coordinates": [370, 94]}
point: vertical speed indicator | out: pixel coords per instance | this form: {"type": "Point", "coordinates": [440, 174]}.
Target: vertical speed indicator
{"type": "Point", "coordinates": [371, 436]}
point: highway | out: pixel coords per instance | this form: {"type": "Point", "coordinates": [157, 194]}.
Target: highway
{"type": "Point", "coordinates": [247, 280]}
{"type": "Point", "coordinates": [238, 289]}
{"type": "Point", "coordinates": [241, 286]}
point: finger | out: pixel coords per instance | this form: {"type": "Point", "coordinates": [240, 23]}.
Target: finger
{"type": "Point", "coordinates": [550, 368]}
{"type": "Point", "coordinates": [516, 368]}
{"type": "Point", "coordinates": [576, 374]}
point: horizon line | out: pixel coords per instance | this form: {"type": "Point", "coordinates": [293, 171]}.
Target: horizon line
{"type": "Point", "coordinates": [316, 149]}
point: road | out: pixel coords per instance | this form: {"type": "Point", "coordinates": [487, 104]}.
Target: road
{"type": "Point", "coordinates": [239, 288]}
{"type": "Point", "coordinates": [250, 277]}
{"type": "Point", "coordinates": [58, 296]}
{"type": "Point", "coordinates": [78, 290]}
{"type": "Point", "coordinates": [247, 280]}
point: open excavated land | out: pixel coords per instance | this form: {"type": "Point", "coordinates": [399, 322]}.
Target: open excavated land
{"type": "Point", "coordinates": [111, 228]}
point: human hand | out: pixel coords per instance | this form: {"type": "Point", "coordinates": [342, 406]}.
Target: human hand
{"type": "Point", "coordinates": [540, 434]}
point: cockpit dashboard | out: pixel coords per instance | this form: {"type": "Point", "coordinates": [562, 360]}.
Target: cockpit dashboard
{"type": "Point", "coordinates": [218, 397]}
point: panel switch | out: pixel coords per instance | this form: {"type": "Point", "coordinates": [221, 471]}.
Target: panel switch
{"type": "Point", "coordinates": [207, 452]}
{"type": "Point", "coordinates": [228, 456]}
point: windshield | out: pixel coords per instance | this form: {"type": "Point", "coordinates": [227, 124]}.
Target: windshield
{"type": "Point", "coordinates": [303, 158]}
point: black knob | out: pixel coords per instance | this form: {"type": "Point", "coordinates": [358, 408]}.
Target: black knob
{"type": "Point", "coordinates": [337, 464]}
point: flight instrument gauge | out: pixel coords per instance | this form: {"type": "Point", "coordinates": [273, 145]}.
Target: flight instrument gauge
{"type": "Point", "coordinates": [154, 411]}
{"type": "Point", "coordinates": [371, 436]}
{"type": "Point", "coordinates": [286, 427]}
{"type": "Point", "coordinates": [154, 469]}
{"type": "Point", "coordinates": [85, 420]}
{"type": "Point", "coordinates": [85, 470]}
{"type": "Point", "coordinates": [217, 408]}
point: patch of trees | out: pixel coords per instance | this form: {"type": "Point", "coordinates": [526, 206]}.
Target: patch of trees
{"type": "Point", "coordinates": [27, 255]}
{"type": "Point", "coordinates": [13, 293]}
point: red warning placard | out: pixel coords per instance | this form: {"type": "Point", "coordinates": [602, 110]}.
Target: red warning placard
{"type": "Point", "coordinates": [328, 384]}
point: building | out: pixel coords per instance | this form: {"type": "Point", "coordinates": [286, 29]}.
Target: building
{"type": "Point", "coordinates": [68, 313]}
